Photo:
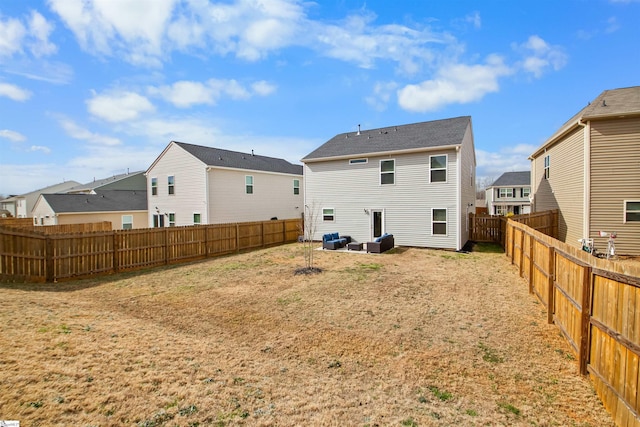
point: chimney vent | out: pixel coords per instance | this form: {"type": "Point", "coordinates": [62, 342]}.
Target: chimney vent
{"type": "Point", "coordinates": [358, 130]}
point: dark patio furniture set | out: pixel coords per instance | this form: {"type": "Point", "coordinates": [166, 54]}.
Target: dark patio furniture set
{"type": "Point", "coordinates": [333, 241]}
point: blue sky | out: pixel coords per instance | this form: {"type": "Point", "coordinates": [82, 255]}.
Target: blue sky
{"type": "Point", "coordinates": [95, 88]}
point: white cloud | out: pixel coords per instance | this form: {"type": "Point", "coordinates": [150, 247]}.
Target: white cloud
{"type": "Point", "coordinates": [454, 84]}
{"type": "Point", "coordinates": [40, 29]}
{"type": "Point", "coordinates": [45, 150]}
{"type": "Point", "coordinates": [119, 106]}
{"type": "Point", "coordinates": [14, 92]}
{"type": "Point", "coordinates": [508, 159]}
{"type": "Point", "coordinates": [474, 19]}
{"type": "Point", "coordinates": [382, 92]}
{"type": "Point", "coordinates": [12, 135]}
{"type": "Point", "coordinates": [33, 34]}
{"type": "Point", "coordinates": [12, 33]}
{"type": "Point", "coordinates": [540, 56]}
{"type": "Point", "coordinates": [80, 133]}
{"type": "Point", "coordinates": [185, 94]}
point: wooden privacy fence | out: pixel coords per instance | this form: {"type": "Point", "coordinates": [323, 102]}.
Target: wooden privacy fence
{"type": "Point", "coordinates": [491, 228]}
{"type": "Point", "coordinates": [596, 305]}
{"type": "Point", "coordinates": [36, 257]}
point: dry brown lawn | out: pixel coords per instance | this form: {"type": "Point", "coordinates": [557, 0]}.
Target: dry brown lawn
{"type": "Point", "coordinates": [416, 337]}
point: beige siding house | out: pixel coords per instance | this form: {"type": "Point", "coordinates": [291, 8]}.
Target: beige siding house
{"type": "Point", "coordinates": [125, 209]}
{"type": "Point", "coordinates": [590, 171]}
{"type": "Point", "coordinates": [192, 184]}
{"type": "Point", "coordinates": [414, 181]}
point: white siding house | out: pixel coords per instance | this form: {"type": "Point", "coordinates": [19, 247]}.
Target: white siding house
{"type": "Point", "coordinates": [510, 194]}
{"type": "Point", "coordinates": [414, 181]}
{"type": "Point", "coordinates": [192, 184]}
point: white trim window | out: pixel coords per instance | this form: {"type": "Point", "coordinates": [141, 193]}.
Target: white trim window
{"type": "Point", "coordinates": [387, 172]}
{"type": "Point", "coordinates": [547, 166]}
{"type": "Point", "coordinates": [505, 192]}
{"type": "Point", "coordinates": [171, 184]}
{"type": "Point", "coordinates": [501, 210]}
{"type": "Point", "coordinates": [438, 168]}
{"type": "Point", "coordinates": [127, 222]}
{"type": "Point", "coordinates": [296, 186]}
{"type": "Point", "coordinates": [172, 219]}
{"type": "Point", "coordinates": [154, 186]}
{"type": "Point", "coordinates": [439, 222]}
{"type": "Point", "coordinates": [328, 214]}
{"type": "Point", "coordinates": [526, 191]}
{"type": "Point", "coordinates": [248, 184]}
{"type": "Point", "coordinates": [632, 211]}
{"type": "Point", "coordinates": [197, 218]}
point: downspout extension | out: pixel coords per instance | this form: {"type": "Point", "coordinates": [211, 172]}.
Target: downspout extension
{"type": "Point", "coordinates": [586, 204]}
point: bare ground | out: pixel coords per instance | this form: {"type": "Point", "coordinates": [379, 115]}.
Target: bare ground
{"type": "Point", "coordinates": [414, 337]}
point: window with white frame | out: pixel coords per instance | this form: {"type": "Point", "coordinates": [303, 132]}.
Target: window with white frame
{"type": "Point", "coordinates": [296, 186]}
{"type": "Point", "coordinates": [500, 210]}
{"type": "Point", "coordinates": [357, 161]}
{"type": "Point", "coordinates": [248, 184]}
{"type": "Point", "coordinates": [154, 186]}
{"type": "Point", "coordinates": [632, 211]}
{"type": "Point", "coordinates": [505, 192]}
{"type": "Point", "coordinates": [547, 166]}
{"type": "Point", "coordinates": [171, 184]}
{"type": "Point", "coordinates": [158, 220]}
{"type": "Point", "coordinates": [172, 219]}
{"type": "Point", "coordinates": [328, 214]}
{"type": "Point", "coordinates": [438, 168]}
{"type": "Point", "coordinates": [387, 172]}
{"type": "Point", "coordinates": [526, 191]}
{"type": "Point", "coordinates": [197, 218]}
{"type": "Point", "coordinates": [439, 222]}
{"type": "Point", "coordinates": [127, 222]}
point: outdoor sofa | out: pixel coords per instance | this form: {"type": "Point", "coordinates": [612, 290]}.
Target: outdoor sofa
{"type": "Point", "coordinates": [333, 241]}
{"type": "Point", "coordinates": [381, 244]}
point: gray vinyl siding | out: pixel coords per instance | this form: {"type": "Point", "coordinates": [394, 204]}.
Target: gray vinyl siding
{"type": "Point", "coordinates": [615, 177]}
{"type": "Point", "coordinates": [564, 190]}
{"type": "Point", "coordinates": [354, 190]}
{"type": "Point", "coordinates": [272, 196]}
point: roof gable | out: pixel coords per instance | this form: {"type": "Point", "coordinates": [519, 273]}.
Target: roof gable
{"type": "Point", "coordinates": [513, 178]}
{"type": "Point", "coordinates": [96, 184]}
{"type": "Point", "coordinates": [216, 157]}
{"type": "Point", "coordinates": [102, 201]}
{"type": "Point", "coordinates": [424, 135]}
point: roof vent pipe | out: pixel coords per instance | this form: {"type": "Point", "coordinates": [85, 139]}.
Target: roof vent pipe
{"type": "Point", "coordinates": [252, 152]}
{"type": "Point", "coordinates": [358, 130]}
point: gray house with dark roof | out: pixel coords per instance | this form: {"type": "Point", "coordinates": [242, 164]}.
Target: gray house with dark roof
{"type": "Point", "coordinates": [125, 209]}
{"type": "Point", "coordinates": [124, 181]}
{"type": "Point", "coordinates": [192, 184]}
{"type": "Point", "coordinates": [509, 194]}
{"type": "Point", "coordinates": [415, 181]}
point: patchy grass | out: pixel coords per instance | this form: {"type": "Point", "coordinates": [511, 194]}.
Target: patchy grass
{"type": "Point", "coordinates": [414, 337]}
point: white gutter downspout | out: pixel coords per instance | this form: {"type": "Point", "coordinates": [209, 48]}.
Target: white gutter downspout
{"type": "Point", "coordinates": [458, 198]}
{"type": "Point", "coordinates": [586, 204]}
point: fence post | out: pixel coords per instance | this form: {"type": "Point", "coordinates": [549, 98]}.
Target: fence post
{"type": "Point", "coordinates": [264, 239]}
{"type": "Point", "coordinates": [551, 285]}
{"type": "Point", "coordinates": [531, 261]}
{"type": "Point", "coordinates": [166, 245]}
{"type": "Point", "coordinates": [585, 327]}
{"type": "Point", "coordinates": [116, 247]}
{"type": "Point", "coordinates": [49, 264]}
{"type": "Point", "coordinates": [237, 237]}
{"type": "Point", "coordinates": [521, 267]}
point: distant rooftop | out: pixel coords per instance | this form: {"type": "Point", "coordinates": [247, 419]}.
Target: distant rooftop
{"type": "Point", "coordinates": [102, 201]}
{"type": "Point", "coordinates": [513, 178]}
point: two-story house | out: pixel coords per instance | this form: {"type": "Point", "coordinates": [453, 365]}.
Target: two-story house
{"type": "Point", "coordinates": [590, 171]}
{"type": "Point", "coordinates": [415, 181]}
{"type": "Point", "coordinates": [191, 184]}
{"type": "Point", "coordinates": [21, 206]}
{"type": "Point", "coordinates": [509, 194]}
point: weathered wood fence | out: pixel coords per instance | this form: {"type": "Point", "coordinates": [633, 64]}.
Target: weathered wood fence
{"type": "Point", "coordinates": [29, 256]}
{"type": "Point", "coordinates": [491, 228]}
{"type": "Point", "coordinates": [596, 305]}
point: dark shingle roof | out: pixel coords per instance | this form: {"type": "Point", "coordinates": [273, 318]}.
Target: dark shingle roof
{"type": "Point", "coordinates": [102, 201]}
{"type": "Point", "coordinates": [436, 133]}
{"type": "Point", "coordinates": [513, 178]}
{"type": "Point", "coordinates": [233, 159]}
{"type": "Point", "coordinates": [95, 184]}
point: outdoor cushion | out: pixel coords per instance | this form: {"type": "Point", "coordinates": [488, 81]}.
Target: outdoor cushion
{"type": "Point", "coordinates": [335, 236]}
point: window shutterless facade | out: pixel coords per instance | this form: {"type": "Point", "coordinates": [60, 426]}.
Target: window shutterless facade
{"type": "Point", "coordinates": [547, 166]}
{"type": "Point", "coordinates": [171, 184]}
{"type": "Point", "coordinates": [154, 186]}
{"type": "Point", "coordinates": [328, 214]}
{"type": "Point", "coordinates": [357, 161]}
{"type": "Point", "coordinates": [248, 184]}
{"type": "Point", "coordinates": [439, 222]}
{"type": "Point", "coordinates": [387, 172]}
{"type": "Point", "coordinates": [127, 222]}
{"type": "Point", "coordinates": [197, 219]}
{"type": "Point", "coordinates": [438, 168]}
{"type": "Point", "coordinates": [632, 211]}
{"type": "Point", "coordinates": [296, 186]}
{"type": "Point", "coordinates": [172, 219]}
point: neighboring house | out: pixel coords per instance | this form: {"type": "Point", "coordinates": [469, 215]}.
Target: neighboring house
{"type": "Point", "coordinates": [20, 206]}
{"type": "Point", "coordinates": [590, 171]}
{"type": "Point", "coordinates": [414, 181]}
{"type": "Point", "coordinates": [510, 194]}
{"type": "Point", "coordinates": [125, 209]}
{"type": "Point", "coordinates": [125, 181]}
{"type": "Point", "coordinates": [191, 184]}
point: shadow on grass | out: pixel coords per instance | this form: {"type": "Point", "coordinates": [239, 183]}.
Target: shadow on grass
{"type": "Point", "coordinates": [485, 247]}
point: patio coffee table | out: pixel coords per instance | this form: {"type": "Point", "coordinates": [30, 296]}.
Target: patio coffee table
{"type": "Point", "coordinates": [354, 246]}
